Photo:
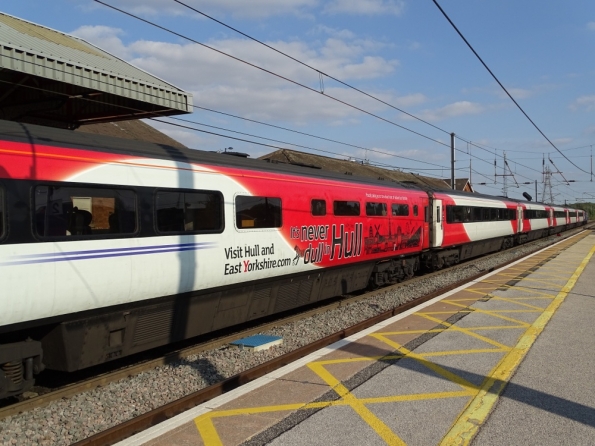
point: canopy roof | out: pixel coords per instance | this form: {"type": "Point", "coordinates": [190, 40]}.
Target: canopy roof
{"type": "Point", "coordinates": [51, 78]}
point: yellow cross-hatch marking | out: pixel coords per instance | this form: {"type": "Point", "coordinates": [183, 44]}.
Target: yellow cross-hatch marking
{"type": "Point", "coordinates": [481, 398]}
{"type": "Point", "coordinates": [478, 409]}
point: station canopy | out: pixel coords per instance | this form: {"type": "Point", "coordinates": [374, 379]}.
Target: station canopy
{"type": "Point", "coordinates": [51, 78]}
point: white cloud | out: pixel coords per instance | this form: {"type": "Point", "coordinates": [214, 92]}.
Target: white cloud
{"type": "Point", "coordinates": [366, 7]}
{"type": "Point", "coordinates": [222, 83]}
{"type": "Point", "coordinates": [518, 93]}
{"type": "Point", "coordinates": [105, 38]}
{"type": "Point", "coordinates": [584, 103]}
{"type": "Point", "coordinates": [410, 100]}
{"type": "Point", "coordinates": [591, 26]}
{"type": "Point", "coordinates": [450, 111]}
{"type": "Point", "coordinates": [256, 9]}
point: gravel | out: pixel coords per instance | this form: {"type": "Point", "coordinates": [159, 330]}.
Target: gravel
{"type": "Point", "coordinates": [69, 420]}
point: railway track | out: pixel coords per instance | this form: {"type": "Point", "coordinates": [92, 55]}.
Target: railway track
{"type": "Point", "coordinates": [144, 421]}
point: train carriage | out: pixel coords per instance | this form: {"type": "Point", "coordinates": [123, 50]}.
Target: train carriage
{"type": "Point", "coordinates": [110, 247]}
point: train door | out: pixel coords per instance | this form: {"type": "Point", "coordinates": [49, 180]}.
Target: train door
{"type": "Point", "coordinates": [519, 219]}
{"type": "Point", "coordinates": [437, 223]}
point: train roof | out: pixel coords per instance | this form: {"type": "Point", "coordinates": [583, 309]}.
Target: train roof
{"type": "Point", "coordinates": [48, 136]}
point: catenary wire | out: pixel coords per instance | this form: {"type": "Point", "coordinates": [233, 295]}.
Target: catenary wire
{"type": "Point", "coordinates": [502, 86]}
{"type": "Point", "coordinates": [272, 73]}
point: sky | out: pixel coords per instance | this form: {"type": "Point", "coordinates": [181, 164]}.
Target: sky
{"type": "Point", "coordinates": [378, 81]}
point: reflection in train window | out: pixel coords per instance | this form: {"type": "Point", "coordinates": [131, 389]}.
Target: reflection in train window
{"type": "Point", "coordinates": [375, 209]}
{"type": "Point", "coordinates": [318, 207]}
{"type": "Point", "coordinates": [84, 211]}
{"type": "Point", "coordinates": [535, 213]}
{"type": "Point", "coordinates": [189, 211]}
{"type": "Point", "coordinates": [469, 214]}
{"type": "Point", "coordinates": [258, 212]}
{"type": "Point", "coordinates": [400, 210]}
{"type": "Point", "coordinates": [2, 213]}
{"type": "Point", "coordinates": [346, 208]}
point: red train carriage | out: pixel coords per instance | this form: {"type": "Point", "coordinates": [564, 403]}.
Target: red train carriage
{"type": "Point", "coordinates": [109, 247]}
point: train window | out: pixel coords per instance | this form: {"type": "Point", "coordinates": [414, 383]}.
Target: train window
{"type": "Point", "coordinates": [534, 213]}
{"type": "Point", "coordinates": [400, 210]}
{"type": "Point", "coordinates": [478, 214]}
{"type": "Point", "coordinates": [318, 207]}
{"type": "Point", "coordinates": [376, 209]}
{"type": "Point", "coordinates": [2, 213]}
{"type": "Point", "coordinates": [346, 208]}
{"type": "Point", "coordinates": [415, 210]}
{"type": "Point", "coordinates": [84, 211]}
{"type": "Point", "coordinates": [258, 212]}
{"type": "Point", "coordinates": [454, 214]}
{"type": "Point", "coordinates": [559, 214]}
{"type": "Point", "coordinates": [189, 211]}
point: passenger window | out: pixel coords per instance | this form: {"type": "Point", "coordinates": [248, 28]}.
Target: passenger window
{"type": "Point", "coordinates": [84, 211]}
{"type": "Point", "coordinates": [2, 213]}
{"type": "Point", "coordinates": [375, 209]}
{"type": "Point", "coordinates": [189, 211]}
{"type": "Point", "coordinates": [400, 210]}
{"type": "Point", "coordinates": [346, 208]}
{"type": "Point", "coordinates": [415, 210]}
{"type": "Point", "coordinates": [258, 212]}
{"type": "Point", "coordinates": [318, 207]}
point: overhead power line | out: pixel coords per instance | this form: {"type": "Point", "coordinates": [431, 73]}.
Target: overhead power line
{"type": "Point", "coordinates": [504, 88]}
{"type": "Point", "coordinates": [299, 84]}
{"type": "Point", "coordinates": [236, 117]}
{"type": "Point", "coordinates": [157, 115]}
{"type": "Point", "coordinates": [311, 67]}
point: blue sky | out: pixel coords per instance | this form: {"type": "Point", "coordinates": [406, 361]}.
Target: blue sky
{"type": "Point", "coordinates": [403, 52]}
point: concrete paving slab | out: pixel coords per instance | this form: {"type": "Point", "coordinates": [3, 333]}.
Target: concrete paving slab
{"type": "Point", "coordinates": [551, 398]}
{"type": "Point", "coordinates": [507, 337]}
{"type": "Point", "coordinates": [405, 377]}
{"type": "Point", "coordinates": [419, 423]}
{"type": "Point", "coordinates": [336, 426]}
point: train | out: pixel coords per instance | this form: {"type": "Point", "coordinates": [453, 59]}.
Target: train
{"type": "Point", "coordinates": [110, 247]}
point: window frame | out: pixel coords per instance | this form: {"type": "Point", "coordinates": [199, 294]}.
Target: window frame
{"type": "Point", "coordinates": [394, 206]}
{"type": "Point", "coordinates": [3, 214]}
{"type": "Point", "coordinates": [76, 237]}
{"type": "Point", "coordinates": [478, 214]}
{"type": "Point", "coordinates": [319, 200]}
{"type": "Point", "coordinates": [374, 204]}
{"type": "Point", "coordinates": [256, 228]}
{"type": "Point", "coordinates": [359, 208]}
{"type": "Point", "coordinates": [197, 231]}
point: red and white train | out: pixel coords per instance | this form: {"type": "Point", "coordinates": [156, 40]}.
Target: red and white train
{"type": "Point", "coordinates": [109, 247]}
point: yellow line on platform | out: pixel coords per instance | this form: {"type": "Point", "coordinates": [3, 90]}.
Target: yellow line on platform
{"type": "Point", "coordinates": [478, 409]}
{"type": "Point", "coordinates": [359, 407]}
{"type": "Point", "coordinates": [512, 300]}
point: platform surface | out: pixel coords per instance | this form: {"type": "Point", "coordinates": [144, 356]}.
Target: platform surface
{"type": "Point", "coordinates": [507, 359]}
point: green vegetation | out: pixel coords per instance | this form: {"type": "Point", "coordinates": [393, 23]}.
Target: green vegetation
{"type": "Point", "coordinates": [589, 207]}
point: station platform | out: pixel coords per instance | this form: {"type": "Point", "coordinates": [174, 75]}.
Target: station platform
{"type": "Point", "coordinates": [506, 359]}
